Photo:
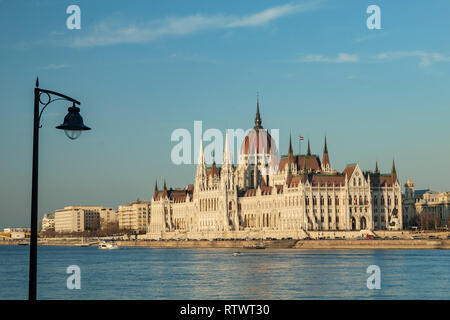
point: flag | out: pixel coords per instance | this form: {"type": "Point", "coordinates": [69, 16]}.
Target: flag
{"type": "Point", "coordinates": [301, 138]}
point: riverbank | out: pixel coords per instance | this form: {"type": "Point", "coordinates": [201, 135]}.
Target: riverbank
{"type": "Point", "coordinates": [269, 244]}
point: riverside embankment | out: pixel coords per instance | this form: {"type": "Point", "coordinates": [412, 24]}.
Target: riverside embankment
{"type": "Point", "coordinates": [269, 244]}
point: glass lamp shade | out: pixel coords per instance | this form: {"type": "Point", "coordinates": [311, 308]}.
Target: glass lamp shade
{"type": "Point", "coordinates": [73, 134]}
{"type": "Point", "coordinates": [73, 123]}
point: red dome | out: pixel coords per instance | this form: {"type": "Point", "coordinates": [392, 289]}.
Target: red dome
{"type": "Point", "coordinates": [259, 141]}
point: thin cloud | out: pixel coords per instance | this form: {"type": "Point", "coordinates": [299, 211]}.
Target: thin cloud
{"type": "Point", "coordinates": [54, 67]}
{"type": "Point", "coordinates": [426, 59]}
{"type": "Point", "coordinates": [110, 33]}
{"type": "Point", "coordinates": [340, 58]}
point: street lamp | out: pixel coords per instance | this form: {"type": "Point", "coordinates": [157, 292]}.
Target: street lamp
{"type": "Point", "coordinates": [73, 126]}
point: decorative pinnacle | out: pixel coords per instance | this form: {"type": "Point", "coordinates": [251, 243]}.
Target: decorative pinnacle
{"type": "Point", "coordinates": [309, 149]}
{"type": "Point", "coordinates": [37, 82]}
{"type": "Point", "coordinates": [290, 144]}
{"type": "Point", "coordinates": [393, 168]}
{"type": "Point", "coordinates": [258, 116]}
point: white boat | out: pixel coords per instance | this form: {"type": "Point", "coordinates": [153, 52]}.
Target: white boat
{"type": "Point", "coordinates": [108, 245]}
{"type": "Point", "coordinates": [237, 253]}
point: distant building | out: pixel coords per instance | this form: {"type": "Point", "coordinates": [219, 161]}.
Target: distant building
{"type": "Point", "coordinates": [10, 230]}
{"type": "Point", "coordinates": [417, 202]}
{"type": "Point", "coordinates": [134, 216]}
{"type": "Point", "coordinates": [107, 217]}
{"type": "Point", "coordinates": [16, 233]}
{"type": "Point", "coordinates": [77, 219]}
{"type": "Point", "coordinates": [48, 222]}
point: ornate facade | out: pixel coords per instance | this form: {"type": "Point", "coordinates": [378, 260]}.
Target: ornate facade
{"type": "Point", "coordinates": [264, 197]}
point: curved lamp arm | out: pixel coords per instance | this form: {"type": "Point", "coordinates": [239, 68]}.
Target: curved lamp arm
{"type": "Point", "coordinates": [49, 93]}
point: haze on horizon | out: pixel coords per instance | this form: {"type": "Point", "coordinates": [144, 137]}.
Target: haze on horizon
{"type": "Point", "coordinates": [143, 71]}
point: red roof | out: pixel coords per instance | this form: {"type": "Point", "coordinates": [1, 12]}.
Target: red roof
{"type": "Point", "coordinates": [312, 162]}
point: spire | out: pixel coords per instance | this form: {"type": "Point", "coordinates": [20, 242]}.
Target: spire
{"type": "Point", "coordinates": [155, 193]}
{"type": "Point", "coordinates": [376, 167]}
{"type": "Point", "coordinates": [201, 174]}
{"type": "Point", "coordinates": [290, 152]}
{"type": "Point", "coordinates": [304, 165]}
{"type": "Point", "coordinates": [393, 172]}
{"type": "Point", "coordinates": [309, 149]}
{"type": "Point", "coordinates": [201, 157]}
{"type": "Point", "coordinates": [164, 193]}
{"type": "Point", "coordinates": [325, 159]}
{"type": "Point", "coordinates": [226, 151]}
{"type": "Point", "coordinates": [258, 116]}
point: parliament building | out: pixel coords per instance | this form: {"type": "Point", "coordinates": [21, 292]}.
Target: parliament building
{"type": "Point", "coordinates": [265, 197]}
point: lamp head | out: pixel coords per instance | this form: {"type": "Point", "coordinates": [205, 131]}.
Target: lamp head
{"type": "Point", "coordinates": [73, 123]}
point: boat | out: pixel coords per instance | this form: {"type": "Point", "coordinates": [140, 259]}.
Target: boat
{"type": "Point", "coordinates": [237, 253]}
{"type": "Point", "coordinates": [256, 246]}
{"type": "Point", "coordinates": [82, 244]}
{"type": "Point", "coordinates": [108, 245]}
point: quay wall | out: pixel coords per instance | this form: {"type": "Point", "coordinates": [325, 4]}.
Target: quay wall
{"type": "Point", "coordinates": [269, 244]}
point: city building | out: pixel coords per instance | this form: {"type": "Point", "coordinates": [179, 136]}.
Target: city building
{"type": "Point", "coordinates": [16, 233]}
{"type": "Point", "coordinates": [108, 216]}
{"type": "Point", "coordinates": [77, 218]}
{"type": "Point", "coordinates": [419, 202]}
{"type": "Point", "coordinates": [48, 222]}
{"type": "Point", "coordinates": [304, 193]}
{"type": "Point", "coordinates": [134, 216]}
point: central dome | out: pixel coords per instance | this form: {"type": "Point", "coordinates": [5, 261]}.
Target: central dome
{"type": "Point", "coordinates": [257, 141]}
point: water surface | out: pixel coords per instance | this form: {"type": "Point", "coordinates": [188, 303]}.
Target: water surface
{"type": "Point", "coordinates": [150, 273]}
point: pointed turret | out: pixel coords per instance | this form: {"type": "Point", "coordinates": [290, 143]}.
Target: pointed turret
{"type": "Point", "coordinates": [326, 166]}
{"type": "Point", "coordinates": [393, 171]}
{"type": "Point", "coordinates": [226, 172]}
{"type": "Point", "coordinates": [376, 167]}
{"type": "Point", "coordinates": [226, 152]}
{"type": "Point", "coordinates": [309, 149]}
{"type": "Point", "coordinates": [200, 175]}
{"type": "Point", "coordinates": [258, 121]}
{"type": "Point", "coordinates": [155, 193]}
{"type": "Point", "coordinates": [304, 170]}
{"type": "Point", "coordinates": [164, 193]}
{"type": "Point", "coordinates": [290, 152]}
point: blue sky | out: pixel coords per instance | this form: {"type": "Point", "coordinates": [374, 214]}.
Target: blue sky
{"type": "Point", "coordinates": [145, 69]}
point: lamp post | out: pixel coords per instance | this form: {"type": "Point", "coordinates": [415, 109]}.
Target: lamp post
{"type": "Point", "coordinates": [73, 126]}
